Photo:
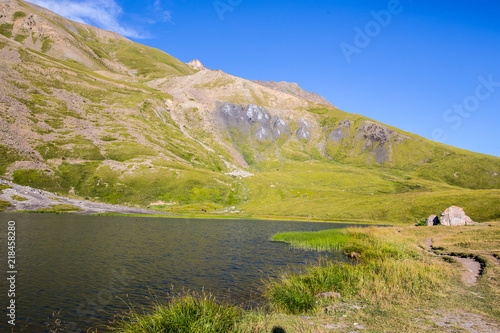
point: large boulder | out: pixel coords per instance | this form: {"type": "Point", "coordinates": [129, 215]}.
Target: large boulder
{"type": "Point", "coordinates": [432, 220]}
{"type": "Point", "coordinates": [455, 216]}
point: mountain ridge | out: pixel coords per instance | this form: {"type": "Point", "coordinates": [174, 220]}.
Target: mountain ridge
{"type": "Point", "coordinates": [86, 114]}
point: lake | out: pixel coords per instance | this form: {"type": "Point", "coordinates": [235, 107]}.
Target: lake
{"type": "Point", "coordinates": [91, 267]}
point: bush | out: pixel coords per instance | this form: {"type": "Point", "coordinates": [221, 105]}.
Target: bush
{"type": "Point", "coordinates": [190, 313]}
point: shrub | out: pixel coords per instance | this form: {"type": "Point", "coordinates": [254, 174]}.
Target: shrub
{"type": "Point", "coordinates": [190, 313]}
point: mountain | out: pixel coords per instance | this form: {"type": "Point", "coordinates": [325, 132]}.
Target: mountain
{"type": "Point", "coordinates": [90, 114]}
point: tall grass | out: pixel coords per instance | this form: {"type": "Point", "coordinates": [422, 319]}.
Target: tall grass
{"type": "Point", "coordinates": [390, 269]}
{"type": "Point", "coordinates": [190, 313]}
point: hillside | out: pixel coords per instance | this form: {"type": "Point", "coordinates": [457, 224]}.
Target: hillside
{"type": "Point", "coordinates": [90, 114]}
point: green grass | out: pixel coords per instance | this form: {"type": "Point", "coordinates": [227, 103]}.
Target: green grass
{"type": "Point", "coordinates": [123, 151]}
{"type": "Point", "coordinates": [18, 198]}
{"type": "Point", "coordinates": [20, 38]}
{"type": "Point", "coordinates": [4, 204]}
{"type": "Point", "coordinates": [391, 281]}
{"type": "Point", "coordinates": [6, 29]}
{"type": "Point", "coordinates": [7, 157]}
{"type": "Point", "coordinates": [37, 179]}
{"type": "Point", "coordinates": [147, 61]}
{"type": "Point", "coordinates": [189, 313]}
{"type": "Point", "coordinates": [56, 209]}
{"type": "Point", "coordinates": [18, 15]}
{"type": "Point", "coordinates": [344, 192]}
{"type": "Point", "coordinates": [388, 270]}
{"type": "Point", "coordinates": [4, 187]}
{"type": "Point", "coordinates": [75, 147]}
{"type": "Point", "coordinates": [46, 45]}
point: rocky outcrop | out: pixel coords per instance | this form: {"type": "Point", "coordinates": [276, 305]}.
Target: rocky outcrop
{"type": "Point", "coordinates": [374, 134]}
{"type": "Point", "coordinates": [432, 220]}
{"type": "Point", "coordinates": [455, 216]}
{"type": "Point", "coordinates": [253, 121]}
{"type": "Point", "coordinates": [257, 120]}
{"type": "Point", "coordinates": [378, 137]}
{"type": "Point", "coordinates": [304, 131]}
{"type": "Point", "coordinates": [294, 89]}
{"type": "Point", "coordinates": [337, 134]}
{"type": "Point", "coordinates": [280, 128]}
{"type": "Point", "coordinates": [196, 64]}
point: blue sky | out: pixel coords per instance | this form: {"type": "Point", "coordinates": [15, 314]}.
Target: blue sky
{"type": "Point", "coordinates": [427, 67]}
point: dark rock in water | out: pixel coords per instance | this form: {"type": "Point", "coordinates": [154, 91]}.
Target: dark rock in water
{"type": "Point", "coordinates": [454, 216]}
{"type": "Point", "coordinates": [432, 220]}
{"type": "Point", "coordinates": [304, 131]}
{"type": "Point", "coordinates": [336, 135]}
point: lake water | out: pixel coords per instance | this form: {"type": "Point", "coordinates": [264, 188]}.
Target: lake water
{"type": "Point", "coordinates": [91, 267]}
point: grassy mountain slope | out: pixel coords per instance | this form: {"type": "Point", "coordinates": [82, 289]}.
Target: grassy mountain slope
{"type": "Point", "coordinates": [88, 113]}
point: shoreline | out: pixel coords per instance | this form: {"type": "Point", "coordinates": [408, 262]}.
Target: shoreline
{"type": "Point", "coordinates": [33, 200]}
{"type": "Point", "coordinates": [40, 201]}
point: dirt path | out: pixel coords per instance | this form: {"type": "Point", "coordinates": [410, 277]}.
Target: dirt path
{"type": "Point", "coordinates": [38, 199]}
{"type": "Point", "coordinates": [472, 267]}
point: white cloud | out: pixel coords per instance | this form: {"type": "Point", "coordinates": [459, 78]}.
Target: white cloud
{"type": "Point", "coordinates": [101, 13]}
{"type": "Point", "coordinates": [166, 14]}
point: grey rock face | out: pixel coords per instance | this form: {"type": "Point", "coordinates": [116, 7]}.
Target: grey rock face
{"type": "Point", "coordinates": [304, 131]}
{"type": "Point", "coordinates": [232, 110]}
{"type": "Point", "coordinates": [252, 126]}
{"type": "Point", "coordinates": [336, 135]}
{"type": "Point", "coordinates": [280, 129]}
{"type": "Point", "coordinates": [345, 123]}
{"type": "Point", "coordinates": [374, 133]}
{"type": "Point", "coordinates": [432, 220]}
{"type": "Point", "coordinates": [233, 116]}
{"type": "Point", "coordinates": [381, 155]}
{"type": "Point", "coordinates": [256, 114]}
{"type": "Point", "coordinates": [262, 134]}
{"type": "Point", "coordinates": [378, 138]}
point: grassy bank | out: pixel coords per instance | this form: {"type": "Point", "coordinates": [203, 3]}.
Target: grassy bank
{"type": "Point", "coordinates": [396, 286]}
{"type": "Point", "coordinates": [387, 270]}
{"type": "Point", "coordinates": [191, 313]}
{"type": "Point", "coordinates": [392, 285]}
